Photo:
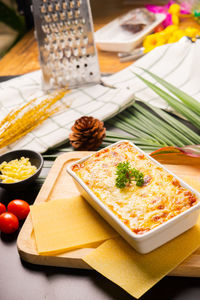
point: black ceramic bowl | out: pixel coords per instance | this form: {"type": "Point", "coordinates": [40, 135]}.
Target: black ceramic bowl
{"type": "Point", "coordinates": [35, 159]}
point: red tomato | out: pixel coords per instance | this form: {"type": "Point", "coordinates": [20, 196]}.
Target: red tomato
{"type": "Point", "coordinates": [19, 208]}
{"type": "Point", "coordinates": [8, 223]}
{"type": "Point", "coordinates": [2, 208]}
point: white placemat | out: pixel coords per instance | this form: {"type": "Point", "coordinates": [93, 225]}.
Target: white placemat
{"type": "Point", "coordinates": [178, 63]}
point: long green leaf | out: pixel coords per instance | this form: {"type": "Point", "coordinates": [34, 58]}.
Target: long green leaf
{"type": "Point", "coordinates": [188, 100]}
{"type": "Point", "coordinates": [168, 126]}
{"type": "Point", "coordinates": [127, 128]}
{"type": "Point", "coordinates": [159, 133]}
{"type": "Point", "coordinates": [160, 130]}
{"type": "Point", "coordinates": [174, 103]}
{"type": "Point", "coordinates": [186, 131]}
{"type": "Point", "coordinates": [127, 118]}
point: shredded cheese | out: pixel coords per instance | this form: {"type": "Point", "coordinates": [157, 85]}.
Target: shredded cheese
{"type": "Point", "coordinates": [141, 208]}
{"type": "Point", "coordinates": [16, 170]}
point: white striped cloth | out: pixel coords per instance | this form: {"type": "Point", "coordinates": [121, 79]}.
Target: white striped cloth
{"type": "Point", "coordinates": [177, 63]}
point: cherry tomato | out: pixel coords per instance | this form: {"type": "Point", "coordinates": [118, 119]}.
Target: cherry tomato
{"type": "Point", "coordinates": [2, 208]}
{"type": "Point", "coordinates": [19, 208]}
{"type": "Point", "coordinates": [8, 223]}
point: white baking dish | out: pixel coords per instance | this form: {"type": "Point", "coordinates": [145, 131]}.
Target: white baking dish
{"type": "Point", "coordinates": [154, 238]}
{"type": "Point", "coordinates": [112, 37]}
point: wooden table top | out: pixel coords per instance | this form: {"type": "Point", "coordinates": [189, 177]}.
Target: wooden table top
{"type": "Point", "coordinates": [23, 57]}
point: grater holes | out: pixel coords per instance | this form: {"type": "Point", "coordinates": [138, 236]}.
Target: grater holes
{"type": "Point", "coordinates": [57, 35]}
{"type": "Point", "coordinates": [50, 7]}
{"type": "Point", "coordinates": [70, 42]}
{"type": "Point", "coordinates": [80, 30]}
{"type": "Point", "coordinates": [83, 50]}
{"type": "Point", "coordinates": [60, 26]}
{"type": "Point", "coordinates": [69, 13]}
{"type": "Point", "coordinates": [57, 6]}
{"type": "Point", "coordinates": [85, 40]}
{"type": "Point", "coordinates": [85, 65]}
{"type": "Point", "coordinates": [47, 46]}
{"type": "Point", "coordinates": [71, 3]}
{"type": "Point", "coordinates": [78, 66]}
{"type": "Point", "coordinates": [53, 28]}
{"type": "Point", "coordinates": [46, 29]}
{"type": "Point", "coordinates": [55, 17]}
{"type": "Point", "coordinates": [78, 3]}
{"type": "Point", "coordinates": [77, 12]}
{"type": "Point", "coordinates": [72, 31]}
{"type": "Point", "coordinates": [91, 74]}
{"type": "Point", "coordinates": [59, 54]}
{"type": "Point", "coordinates": [67, 52]}
{"type": "Point", "coordinates": [62, 16]}
{"type": "Point", "coordinates": [54, 44]}
{"type": "Point", "coordinates": [75, 22]}
{"type": "Point", "coordinates": [62, 43]}
{"type": "Point", "coordinates": [47, 17]}
{"type": "Point", "coordinates": [64, 5]}
{"type": "Point", "coordinates": [43, 9]}
{"type": "Point", "coordinates": [77, 41]}
{"type": "Point", "coordinates": [75, 51]}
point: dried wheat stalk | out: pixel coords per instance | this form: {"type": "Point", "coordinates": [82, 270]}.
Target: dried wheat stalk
{"type": "Point", "coordinates": [20, 121]}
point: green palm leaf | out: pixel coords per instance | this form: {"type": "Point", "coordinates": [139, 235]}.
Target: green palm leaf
{"type": "Point", "coordinates": [189, 101]}
{"type": "Point", "coordinates": [174, 103]}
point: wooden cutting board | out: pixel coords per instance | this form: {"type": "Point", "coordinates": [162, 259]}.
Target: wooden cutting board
{"type": "Point", "coordinates": [59, 184]}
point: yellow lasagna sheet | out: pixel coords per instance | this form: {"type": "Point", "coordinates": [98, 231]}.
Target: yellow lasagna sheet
{"type": "Point", "coordinates": [67, 224]}
{"type": "Point", "coordinates": [137, 273]}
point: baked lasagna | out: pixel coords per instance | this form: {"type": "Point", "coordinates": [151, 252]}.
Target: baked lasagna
{"type": "Point", "coordinates": [141, 208]}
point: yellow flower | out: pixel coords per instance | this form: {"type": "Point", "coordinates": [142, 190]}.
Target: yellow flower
{"type": "Point", "coordinates": [153, 40]}
{"type": "Point", "coordinates": [179, 33]}
{"type": "Point", "coordinates": [173, 39]}
{"type": "Point", "coordinates": [175, 19]}
{"type": "Point", "coordinates": [170, 34]}
{"type": "Point", "coordinates": [174, 9]}
{"type": "Point", "coordinates": [176, 36]}
{"type": "Point", "coordinates": [192, 32]}
{"type": "Point", "coordinates": [171, 28]}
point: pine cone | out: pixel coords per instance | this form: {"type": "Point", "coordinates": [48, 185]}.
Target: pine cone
{"type": "Point", "coordinates": [87, 133]}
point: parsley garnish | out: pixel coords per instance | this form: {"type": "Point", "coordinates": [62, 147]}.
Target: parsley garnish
{"type": "Point", "coordinates": [126, 174]}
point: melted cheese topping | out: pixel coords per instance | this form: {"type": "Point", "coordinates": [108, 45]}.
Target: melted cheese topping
{"type": "Point", "coordinates": [140, 208]}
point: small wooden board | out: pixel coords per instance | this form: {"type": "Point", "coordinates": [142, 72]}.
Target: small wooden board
{"type": "Point", "coordinates": [59, 184]}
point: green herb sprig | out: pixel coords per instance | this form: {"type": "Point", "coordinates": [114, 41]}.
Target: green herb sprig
{"type": "Point", "coordinates": [126, 174]}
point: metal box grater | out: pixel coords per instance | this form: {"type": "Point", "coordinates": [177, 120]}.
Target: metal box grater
{"type": "Point", "coordinates": [64, 31]}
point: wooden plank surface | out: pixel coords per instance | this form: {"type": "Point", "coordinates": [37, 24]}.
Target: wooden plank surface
{"type": "Point", "coordinates": [23, 57]}
{"type": "Point", "coordinates": [59, 184]}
